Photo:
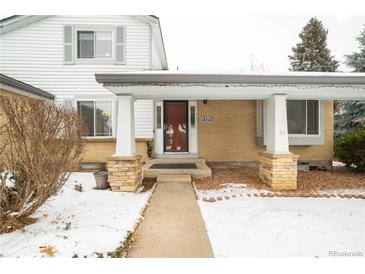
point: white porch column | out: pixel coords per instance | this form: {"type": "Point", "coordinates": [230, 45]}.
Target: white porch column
{"type": "Point", "coordinates": [277, 125]}
{"type": "Point", "coordinates": [125, 145]}
{"type": "Point", "coordinates": [278, 167]}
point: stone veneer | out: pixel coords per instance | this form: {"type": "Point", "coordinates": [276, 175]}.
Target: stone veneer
{"type": "Point", "coordinates": [279, 170]}
{"type": "Point", "coordinates": [125, 173]}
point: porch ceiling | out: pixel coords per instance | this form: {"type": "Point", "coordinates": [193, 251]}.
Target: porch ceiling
{"type": "Point", "coordinates": [179, 85]}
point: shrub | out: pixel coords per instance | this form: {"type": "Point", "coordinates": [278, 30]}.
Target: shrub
{"type": "Point", "coordinates": [350, 149]}
{"type": "Point", "coordinates": [40, 142]}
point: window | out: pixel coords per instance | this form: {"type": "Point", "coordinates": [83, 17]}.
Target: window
{"type": "Point", "coordinates": [192, 116]}
{"type": "Point", "coordinates": [94, 44]}
{"type": "Point", "coordinates": [303, 117]}
{"type": "Point", "coordinates": [158, 117]}
{"type": "Point", "coordinates": [98, 117]}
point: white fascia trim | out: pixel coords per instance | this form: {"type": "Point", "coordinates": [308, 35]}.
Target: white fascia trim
{"type": "Point", "coordinates": [157, 38]}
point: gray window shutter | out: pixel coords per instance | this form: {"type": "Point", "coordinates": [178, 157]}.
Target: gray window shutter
{"type": "Point", "coordinates": [120, 45]}
{"type": "Point", "coordinates": [68, 52]}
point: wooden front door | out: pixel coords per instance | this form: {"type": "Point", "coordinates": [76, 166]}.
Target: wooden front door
{"type": "Point", "coordinates": [176, 126]}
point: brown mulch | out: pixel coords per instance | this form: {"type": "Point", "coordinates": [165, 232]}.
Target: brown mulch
{"type": "Point", "coordinates": [222, 177]}
{"type": "Point", "coordinates": [148, 183]}
{"type": "Point", "coordinates": [309, 181]}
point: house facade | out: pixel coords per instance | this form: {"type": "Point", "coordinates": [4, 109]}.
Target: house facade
{"type": "Point", "coordinates": [273, 120]}
{"type": "Point", "coordinates": [113, 70]}
{"type": "Point", "coordinates": [61, 54]}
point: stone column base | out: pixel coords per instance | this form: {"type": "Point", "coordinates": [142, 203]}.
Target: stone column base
{"type": "Point", "coordinates": [125, 173]}
{"type": "Point", "coordinates": [279, 170]}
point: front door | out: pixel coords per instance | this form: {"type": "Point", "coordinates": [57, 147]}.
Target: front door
{"type": "Point", "coordinates": [176, 126]}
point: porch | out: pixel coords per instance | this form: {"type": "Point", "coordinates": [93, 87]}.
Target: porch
{"type": "Point", "coordinates": [191, 120]}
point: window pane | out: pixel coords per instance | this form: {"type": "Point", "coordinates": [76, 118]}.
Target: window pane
{"type": "Point", "coordinates": [86, 111]}
{"type": "Point", "coordinates": [85, 44]}
{"type": "Point", "coordinates": [296, 116]}
{"type": "Point", "coordinates": [103, 116]}
{"type": "Point", "coordinates": [158, 117]}
{"type": "Point", "coordinates": [192, 116]}
{"type": "Point", "coordinates": [103, 44]}
{"type": "Point", "coordinates": [312, 117]}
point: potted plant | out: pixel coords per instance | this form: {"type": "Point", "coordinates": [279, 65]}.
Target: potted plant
{"type": "Point", "coordinates": [101, 179]}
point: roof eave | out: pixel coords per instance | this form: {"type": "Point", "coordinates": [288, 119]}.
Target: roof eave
{"type": "Point", "coordinates": [19, 21]}
{"type": "Point", "coordinates": [126, 79]}
{"type": "Point", "coordinates": [11, 82]}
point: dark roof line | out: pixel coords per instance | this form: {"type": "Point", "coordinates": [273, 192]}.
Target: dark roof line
{"type": "Point", "coordinates": [24, 87]}
{"type": "Point", "coordinates": [8, 18]}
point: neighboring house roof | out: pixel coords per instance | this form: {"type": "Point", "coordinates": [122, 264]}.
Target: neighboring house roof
{"type": "Point", "coordinates": [17, 21]}
{"type": "Point", "coordinates": [11, 82]}
{"type": "Point", "coordinates": [176, 77]}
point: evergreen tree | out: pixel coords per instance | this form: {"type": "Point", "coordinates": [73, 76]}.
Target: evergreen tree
{"type": "Point", "coordinates": [352, 113]}
{"type": "Point", "coordinates": [311, 53]}
{"type": "Point", "coordinates": [356, 60]}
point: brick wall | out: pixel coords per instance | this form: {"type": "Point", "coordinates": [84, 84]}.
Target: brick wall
{"type": "Point", "coordinates": [232, 134]}
{"type": "Point", "coordinates": [99, 150]}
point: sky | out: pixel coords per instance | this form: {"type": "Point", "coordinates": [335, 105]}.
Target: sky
{"type": "Point", "coordinates": [249, 43]}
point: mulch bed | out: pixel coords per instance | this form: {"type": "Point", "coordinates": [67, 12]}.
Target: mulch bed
{"type": "Point", "coordinates": [309, 182]}
{"type": "Point", "coordinates": [148, 183]}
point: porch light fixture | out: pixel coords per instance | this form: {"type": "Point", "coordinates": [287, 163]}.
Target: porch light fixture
{"type": "Point", "coordinates": [205, 101]}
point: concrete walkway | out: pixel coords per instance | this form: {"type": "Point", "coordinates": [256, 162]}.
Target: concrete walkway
{"type": "Point", "coordinates": [173, 226]}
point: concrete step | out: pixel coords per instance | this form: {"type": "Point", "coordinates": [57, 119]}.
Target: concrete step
{"type": "Point", "coordinates": [174, 178]}
{"type": "Point", "coordinates": [202, 169]}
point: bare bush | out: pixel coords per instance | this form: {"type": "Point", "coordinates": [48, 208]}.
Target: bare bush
{"type": "Point", "coordinates": [40, 142]}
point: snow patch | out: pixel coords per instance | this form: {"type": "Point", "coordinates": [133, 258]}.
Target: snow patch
{"type": "Point", "coordinates": [282, 227]}
{"type": "Point", "coordinates": [80, 223]}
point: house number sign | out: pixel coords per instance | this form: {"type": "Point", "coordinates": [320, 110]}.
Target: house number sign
{"type": "Point", "coordinates": [207, 119]}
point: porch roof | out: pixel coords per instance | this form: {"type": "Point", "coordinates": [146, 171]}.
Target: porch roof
{"type": "Point", "coordinates": [208, 85]}
{"type": "Point", "coordinates": [177, 77]}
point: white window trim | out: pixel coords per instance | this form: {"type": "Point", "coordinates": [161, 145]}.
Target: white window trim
{"type": "Point", "coordinates": [306, 121]}
{"type": "Point", "coordinates": [112, 117]}
{"type": "Point", "coordinates": [101, 61]}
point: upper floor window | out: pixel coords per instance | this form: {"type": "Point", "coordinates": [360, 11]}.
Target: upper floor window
{"type": "Point", "coordinates": [94, 44]}
{"type": "Point", "coordinates": [303, 117]}
{"type": "Point", "coordinates": [98, 117]}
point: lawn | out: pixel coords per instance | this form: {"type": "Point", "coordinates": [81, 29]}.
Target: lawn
{"type": "Point", "coordinates": [90, 223]}
{"type": "Point", "coordinates": [239, 224]}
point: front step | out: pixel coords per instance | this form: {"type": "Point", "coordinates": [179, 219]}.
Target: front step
{"type": "Point", "coordinates": [174, 178]}
{"type": "Point", "coordinates": [201, 171]}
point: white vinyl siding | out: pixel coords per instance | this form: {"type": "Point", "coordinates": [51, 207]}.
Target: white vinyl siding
{"type": "Point", "coordinates": [35, 54]}
{"type": "Point", "coordinates": [143, 110]}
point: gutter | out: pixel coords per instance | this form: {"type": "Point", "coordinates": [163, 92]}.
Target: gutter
{"type": "Point", "coordinates": [13, 83]}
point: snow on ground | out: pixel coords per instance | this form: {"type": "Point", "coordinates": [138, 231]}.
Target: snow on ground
{"type": "Point", "coordinates": [77, 222]}
{"type": "Point", "coordinates": [282, 227]}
